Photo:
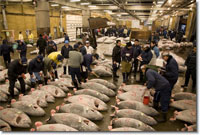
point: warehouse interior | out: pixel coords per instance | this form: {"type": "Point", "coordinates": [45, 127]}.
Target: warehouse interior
{"type": "Point", "coordinates": [78, 18]}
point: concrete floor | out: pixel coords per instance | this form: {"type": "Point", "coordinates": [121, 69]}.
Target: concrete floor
{"type": "Point", "coordinates": [167, 126]}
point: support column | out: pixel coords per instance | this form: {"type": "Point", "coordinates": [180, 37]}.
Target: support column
{"type": "Point", "coordinates": [190, 24]}
{"type": "Point", "coordinates": [42, 17]}
{"type": "Point", "coordinates": [86, 15]}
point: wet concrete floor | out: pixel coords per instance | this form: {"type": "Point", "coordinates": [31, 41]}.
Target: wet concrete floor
{"type": "Point", "coordinates": [167, 126]}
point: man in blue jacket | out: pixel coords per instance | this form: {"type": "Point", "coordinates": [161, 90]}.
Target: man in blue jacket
{"type": "Point", "coordinates": [35, 66]}
{"type": "Point", "coordinates": [85, 66]}
{"type": "Point", "coordinates": [5, 51]}
{"type": "Point", "coordinates": [145, 58]}
{"type": "Point", "coordinates": [162, 86]}
{"type": "Point", "coordinates": [155, 49]}
{"type": "Point", "coordinates": [21, 48]}
{"type": "Point", "coordinates": [171, 68]}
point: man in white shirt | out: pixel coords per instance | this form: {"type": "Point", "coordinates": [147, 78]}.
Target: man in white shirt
{"type": "Point", "coordinates": [21, 37]}
{"type": "Point", "coordinates": [89, 49]}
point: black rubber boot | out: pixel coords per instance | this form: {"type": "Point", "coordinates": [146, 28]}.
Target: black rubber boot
{"type": "Point", "coordinates": [32, 85]}
{"type": "Point", "coordinates": [155, 105]}
{"type": "Point", "coordinates": [75, 85]}
{"type": "Point", "coordinates": [124, 77]}
{"type": "Point", "coordinates": [45, 81]}
{"type": "Point", "coordinates": [56, 74]}
{"type": "Point", "coordinates": [162, 117]}
{"type": "Point", "coordinates": [65, 69]}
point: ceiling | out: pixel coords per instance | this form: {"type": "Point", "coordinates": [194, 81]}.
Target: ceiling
{"type": "Point", "coordinates": [122, 9]}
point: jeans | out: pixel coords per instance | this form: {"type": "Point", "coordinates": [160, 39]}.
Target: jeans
{"type": "Point", "coordinates": [37, 76]}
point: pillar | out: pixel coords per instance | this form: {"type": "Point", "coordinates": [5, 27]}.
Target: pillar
{"type": "Point", "coordinates": [42, 17]}
{"type": "Point", "coordinates": [86, 15]}
{"type": "Point", "coordinates": [190, 24]}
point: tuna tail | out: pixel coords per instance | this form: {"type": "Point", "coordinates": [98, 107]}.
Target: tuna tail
{"type": "Point", "coordinates": [109, 128]}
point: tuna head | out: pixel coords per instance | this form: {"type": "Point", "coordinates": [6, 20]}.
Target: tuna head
{"type": "Point", "coordinates": [15, 117]}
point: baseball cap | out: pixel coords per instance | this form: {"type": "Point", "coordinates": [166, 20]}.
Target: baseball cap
{"type": "Point", "coordinates": [66, 41]}
{"type": "Point", "coordinates": [165, 54]}
{"type": "Point", "coordinates": [24, 61]}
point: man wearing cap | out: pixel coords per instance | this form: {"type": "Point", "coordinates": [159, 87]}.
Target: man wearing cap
{"type": "Point", "coordinates": [171, 68]}
{"type": "Point", "coordinates": [16, 70]}
{"type": "Point", "coordinates": [65, 53]}
{"type": "Point", "coordinates": [41, 45]}
{"type": "Point", "coordinates": [82, 48]}
{"type": "Point", "coordinates": [21, 48]}
{"type": "Point", "coordinates": [75, 60]}
{"type": "Point", "coordinates": [35, 66]}
{"type": "Point", "coordinates": [127, 58]}
{"type": "Point", "coordinates": [191, 68]}
{"type": "Point", "coordinates": [144, 58]}
{"type": "Point", "coordinates": [116, 58]}
{"type": "Point", "coordinates": [56, 57]}
{"type": "Point", "coordinates": [51, 46]}
{"type": "Point", "coordinates": [89, 49]}
{"type": "Point", "coordinates": [49, 66]}
{"type": "Point", "coordinates": [162, 86]}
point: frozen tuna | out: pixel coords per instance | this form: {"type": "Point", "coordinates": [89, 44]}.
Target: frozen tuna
{"type": "Point", "coordinates": [184, 104]}
{"type": "Point", "coordinates": [53, 90]}
{"type": "Point", "coordinates": [105, 83]}
{"type": "Point", "coordinates": [4, 126]}
{"type": "Point", "coordinates": [184, 95]}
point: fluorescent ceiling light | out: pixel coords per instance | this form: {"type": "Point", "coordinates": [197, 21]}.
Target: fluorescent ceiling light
{"type": "Point", "coordinates": [75, 0]}
{"type": "Point", "coordinates": [170, 1]}
{"type": "Point", "coordinates": [54, 5]}
{"type": "Point", "coordinates": [64, 7]}
{"type": "Point", "coordinates": [92, 6]}
{"type": "Point", "coordinates": [85, 3]}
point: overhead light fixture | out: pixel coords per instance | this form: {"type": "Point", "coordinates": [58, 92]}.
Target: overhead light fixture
{"type": "Point", "coordinates": [168, 8]}
{"type": "Point", "coordinates": [64, 7]}
{"type": "Point", "coordinates": [92, 6]}
{"type": "Point", "coordinates": [54, 5]}
{"type": "Point", "coordinates": [170, 1]}
{"type": "Point", "coordinates": [85, 3]}
{"type": "Point", "coordinates": [75, 0]}
{"type": "Point", "coordinates": [172, 5]}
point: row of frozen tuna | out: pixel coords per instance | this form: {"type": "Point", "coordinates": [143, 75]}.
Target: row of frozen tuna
{"type": "Point", "coordinates": [110, 40]}
{"type": "Point", "coordinates": [130, 113]}
{"type": "Point", "coordinates": [83, 107]}
{"type": "Point", "coordinates": [185, 103]}
{"type": "Point", "coordinates": [168, 43]}
{"type": "Point", "coordinates": [80, 109]}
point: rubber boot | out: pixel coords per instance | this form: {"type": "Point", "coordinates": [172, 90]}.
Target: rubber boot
{"type": "Point", "coordinates": [56, 74]}
{"type": "Point", "coordinates": [32, 85]}
{"type": "Point", "coordinates": [45, 81]}
{"type": "Point", "coordinates": [124, 77]}
{"type": "Point", "coordinates": [155, 105]}
{"type": "Point", "coordinates": [162, 117]}
{"type": "Point", "coordinates": [114, 76]}
{"type": "Point", "coordinates": [75, 85]}
{"type": "Point", "coordinates": [65, 69]}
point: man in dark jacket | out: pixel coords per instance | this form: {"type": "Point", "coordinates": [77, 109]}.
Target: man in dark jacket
{"type": "Point", "coordinates": [16, 70]}
{"type": "Point", "coordinates": [127, 59]}
{"type": "Point", "coordinates": [5, 51]}
{"type": "Point", "coordinates": [116, 58]}
{"type": "Point", "coordinates": [82, 48]}
{"type": "Point", "coordinates": [51, 46]}
{"type": "Point", "coordinates": [35, 66]}
{"type": "Point", "coordinates": [65, 53]}
{"type": "Point", "coordinates": [162, 86]}
{"type": "Point", "coordinates": [136, 52]}
{"type": "Point", "coordinates": [66, 37]}
{"type": "Point", "coordinates": [145, 58]}
{"type": "Point", "coordinates": [171, 68]}
{"type": "Point", "coordinates": [85, 66]}
{"type": "Point", "coordinates": [49, 66]}
{"type": "Point", "coordinates": [41, 44]}
{"type": "Point", "coordinates": [22, 49]}
{"type": "Point", "coordinates": [191, 69]}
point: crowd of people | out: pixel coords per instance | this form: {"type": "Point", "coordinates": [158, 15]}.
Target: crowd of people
{"type": "Point", "coordinates": [162, 79]}
{"type": "Point", "coordinates": [77, 59]}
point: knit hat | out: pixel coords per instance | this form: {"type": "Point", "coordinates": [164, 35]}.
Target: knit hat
{"type": "Point", "coordinates": [87, 42]}
{"type": "Point", "coordinates": [40, 57]}
{"type": "Point", "coordinates": [165, 54]}
{"type": "Point", "coordinates": [76, 46]}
